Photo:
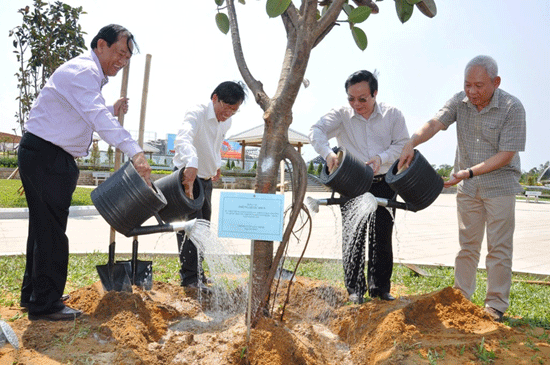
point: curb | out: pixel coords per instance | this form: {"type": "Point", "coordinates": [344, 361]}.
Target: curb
{"type": "Point", "coordinates": [23, 213]}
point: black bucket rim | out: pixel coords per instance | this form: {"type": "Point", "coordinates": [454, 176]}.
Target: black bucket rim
{"type": "Point", "coordinates": [176, 196]}
{"type": "Point", "coordinates": [348, 185]}
{"type": "Point", "coordinates": [419, 172]}
{"type": "Point", "coordinates": [110, 205]}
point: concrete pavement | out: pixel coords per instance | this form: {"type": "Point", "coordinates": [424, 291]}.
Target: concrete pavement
{"type": "Point", "coordinates": [427, 237]}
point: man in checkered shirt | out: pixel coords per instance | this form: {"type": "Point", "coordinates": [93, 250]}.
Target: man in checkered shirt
{"type": "Point", "coordinates": [490, 133]}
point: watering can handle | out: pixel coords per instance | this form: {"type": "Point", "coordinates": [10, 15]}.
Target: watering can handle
{"type": "Point", "coordinates": [159, 219]}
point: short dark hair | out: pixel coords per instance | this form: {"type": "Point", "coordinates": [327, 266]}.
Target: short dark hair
{"type": "Point", "coordinates": [230, 92]}
{"type": "Point", "coordinates": [111, 34]}
{"type": "Point", "coordinates": [360, 76]}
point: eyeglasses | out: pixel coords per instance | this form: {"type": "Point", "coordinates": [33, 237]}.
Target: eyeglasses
{"type": "Point", "coordinates": [351, 99]}
{"type": "Point", "coordinates": [230, 108]}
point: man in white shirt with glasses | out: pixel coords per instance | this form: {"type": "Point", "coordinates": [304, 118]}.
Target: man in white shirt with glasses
{"type": "Point", "coordinates": [374, 133]}
{"type": "Point", "coordinates": [198, 150]}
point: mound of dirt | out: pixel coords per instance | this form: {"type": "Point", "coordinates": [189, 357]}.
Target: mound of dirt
{"type": "Point", "coordinates": [168, 325]}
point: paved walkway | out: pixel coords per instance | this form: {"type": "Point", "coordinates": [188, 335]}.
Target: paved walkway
{"type": "Point", "coordinates": [427, 237]}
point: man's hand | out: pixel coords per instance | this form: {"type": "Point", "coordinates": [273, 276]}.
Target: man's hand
{"type": "Point", "coordinates": [406, 157]}
{"type": "Point", "coordinates": [189, 176]}
{"type": "Point", "coordinates": [375, 163]}
{"type": "Point", "coordinates": [218, 174]}
{"type": "Point", "coordinates": [142, 167]}
{"type": "Point", "coordinates": [332, 162]}
{"type": "Point", "coordinates": [456, 178]}
{"type": "Point", "coordinates": [121, 105]}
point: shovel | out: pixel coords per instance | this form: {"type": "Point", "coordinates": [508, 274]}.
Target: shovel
{"type": "Point", "coordinates": [139, 272]}
{"type": "Point", "coordinates": [121, 275]}
{"type": "Point", "coordinates": [114, 276]}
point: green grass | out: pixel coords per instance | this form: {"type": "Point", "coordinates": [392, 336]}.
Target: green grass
{"type": "Point", "coordinates": [11, 198]}
{"type": "Point", "coordinates": [528, 302]}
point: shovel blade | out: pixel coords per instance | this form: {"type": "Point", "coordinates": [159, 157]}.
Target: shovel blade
{"type": "Point", "coordinates": [115, 277]}
{"type": "Point", "coordinates": [143, 275]}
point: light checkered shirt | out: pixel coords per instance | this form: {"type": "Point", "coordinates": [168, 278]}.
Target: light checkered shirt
{"type": "Point", "coordinates": [500, 126]}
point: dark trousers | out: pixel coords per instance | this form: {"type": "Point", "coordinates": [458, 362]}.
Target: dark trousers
{"type": "Point", "coordinates": [190, 258]}
{"type": "Point", "coordinates": [380, 254]}
{"type": "Point", "coordinates": [49, 176]}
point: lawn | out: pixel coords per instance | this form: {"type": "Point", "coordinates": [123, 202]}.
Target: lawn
{"type": "Point", "coordinates": [11, 195]}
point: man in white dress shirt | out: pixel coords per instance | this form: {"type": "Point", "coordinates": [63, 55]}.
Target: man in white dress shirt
{"type": "Point", "coordinates": [61, 123]}
{"type": "Point", "coordinates": [375, 133]}
{"type": "Point", "coordinates": [197, 150]}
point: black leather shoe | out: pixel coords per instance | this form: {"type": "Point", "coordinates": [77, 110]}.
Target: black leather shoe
{"type": "Point", "coordinates": [63, 298]}
{"type": "Point", "coordinates": [386, 296]}
{"type": "Point", "coordinates": [66, 314]}
{"type": "Point", "coordinates": [198, 286]}
{"type": "Point", "coordinates": [495, 314]}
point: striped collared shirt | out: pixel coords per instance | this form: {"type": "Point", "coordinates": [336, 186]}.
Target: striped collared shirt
{"type": "Point", "coordinates": [500, 126]}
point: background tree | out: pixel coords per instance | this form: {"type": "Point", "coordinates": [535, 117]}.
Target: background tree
{"type": "Point", "coordinates": [95, 155]}
{"type": "Point", "coordinates": [445, 170]}
{"type": "Point", "coordinates": [110, 155]}
{"type": "Point", "coordinates": [311, 168]}
{"type": "Point", "coordinates": [319, 169]}
{"type": "Point", "coordinates": [49, 36]}
{"type": "Point", "coordinates": [305, 27]}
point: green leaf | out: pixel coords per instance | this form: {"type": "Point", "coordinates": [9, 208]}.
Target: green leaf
{"type": "Point", "coordinates": [412, 2]}
{"type": "Point", "coordinates": [404, 10]}
{"type": "Point", "coordinates": [275, 8]}
{"type": "Point", "coordinates": [242, 2]}
{"type": "Point", "coordinates": [359, 14]}
{"type": "Point", "coordinates": [219, 2]}
{"type": "Point", "coordinates": [427, 7]}
{"type": "Point", "coordinates": [359, 37]}
{"type": "Point", "coordinates": [347, 9]}
{"type": "Point", "coordinates": [222, 21]}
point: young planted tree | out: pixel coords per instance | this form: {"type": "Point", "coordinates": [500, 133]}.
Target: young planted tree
{"type": "Point", "coordinates": [305, 28]}
{"type": "Point", "coordinates": [49, 36]}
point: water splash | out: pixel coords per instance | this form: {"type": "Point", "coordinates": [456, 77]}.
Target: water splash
{"type": "Point", "coordinates": [358, 212]}
{"type": "Point", "coordinates": [227, 270]}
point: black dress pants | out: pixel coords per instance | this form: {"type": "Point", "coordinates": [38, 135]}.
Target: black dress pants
{"type": "Point", "coordinates": [190, 257]}
{"type": "Point", "coordinates": [49, 176]}
{"type": "Point", "coordinates": [380, 254]}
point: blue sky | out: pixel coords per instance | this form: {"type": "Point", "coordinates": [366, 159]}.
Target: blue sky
{"type": "Point", "coordinates": [421, 63]}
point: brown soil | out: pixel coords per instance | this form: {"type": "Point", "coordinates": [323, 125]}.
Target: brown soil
{"type": "Point", "coordinates": [169, 326]}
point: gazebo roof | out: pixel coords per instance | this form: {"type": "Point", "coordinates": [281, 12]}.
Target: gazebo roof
{"type": "Point", "coordinates": [253, 137]}
{"type": "Point", "coordinates": [545, 176]}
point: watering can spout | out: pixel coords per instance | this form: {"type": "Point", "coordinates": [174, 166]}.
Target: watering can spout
{"type": "Point", "coordinates": [383, 202]}
{"type": "Point", "coordinates": [162, 228]}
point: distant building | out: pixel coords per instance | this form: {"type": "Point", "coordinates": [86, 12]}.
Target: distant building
{"type": "Point", "coordinates": [9, 142]}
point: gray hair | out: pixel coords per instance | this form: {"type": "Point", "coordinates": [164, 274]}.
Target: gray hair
{"type": "Point", "coordinates": [488, 63]}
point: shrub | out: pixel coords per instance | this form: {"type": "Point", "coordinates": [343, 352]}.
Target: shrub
{"type": "Point", "coordinates": [8, 162]}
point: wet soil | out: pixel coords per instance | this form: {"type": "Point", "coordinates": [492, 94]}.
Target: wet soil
{"type": "Point", "coordinates": [167, 325]}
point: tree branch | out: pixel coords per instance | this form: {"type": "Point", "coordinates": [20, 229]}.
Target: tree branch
{"type": "Point", "coordinates": [255, 86]}
{"type": "Point", "coordinates": [325, 24]}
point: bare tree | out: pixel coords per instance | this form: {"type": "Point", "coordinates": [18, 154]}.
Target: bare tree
{"type": "Point", "coordinates": [305, 27]}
